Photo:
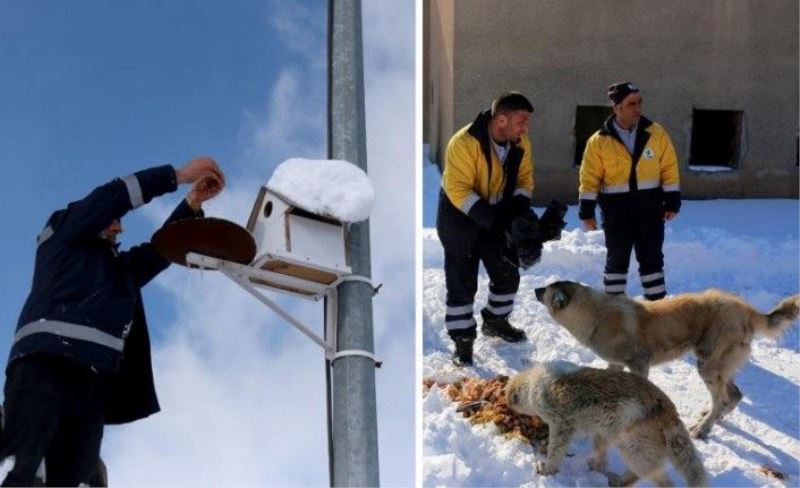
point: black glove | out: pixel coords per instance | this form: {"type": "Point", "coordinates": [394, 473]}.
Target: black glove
{"type": "Point", "coordinates": [524, 228]}
{"type": "Point", "coordinates": [552, 222]}
{"type": "Point", "coordinates": [529, 253]}
{"type": "Point", "coordinates": [524, 241]}
{"type": "Point", "coordinates": [523, 255]}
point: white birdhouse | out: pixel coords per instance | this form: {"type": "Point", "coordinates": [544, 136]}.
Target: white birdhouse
{"type": "Point", "coordinates": [295, 242]}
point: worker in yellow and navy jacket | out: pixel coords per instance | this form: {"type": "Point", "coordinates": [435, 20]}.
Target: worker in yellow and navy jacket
{"type": "Point", "coordinates": [630, 168]}
{"type": "Point", "coordinates": [487, 185]}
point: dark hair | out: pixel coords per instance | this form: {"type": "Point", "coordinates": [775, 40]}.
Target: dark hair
{"type": "Point", "coordinates": [618, 91]}
{"type": "Point", "coordinates": [510, 102]}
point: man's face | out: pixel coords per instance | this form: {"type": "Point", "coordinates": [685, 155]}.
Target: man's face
{"type": "Point", "coordinates": [513, 125]}
{"type": "Point", "coordinates": [111, 232]}
{"type": "Point", "coordinates": [629, 110]}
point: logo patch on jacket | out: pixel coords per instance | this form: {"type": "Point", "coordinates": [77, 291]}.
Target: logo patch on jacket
{"type": "Point", "coordinates": [648, 153]}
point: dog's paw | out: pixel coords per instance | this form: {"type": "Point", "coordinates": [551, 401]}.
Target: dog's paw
{"type": "Point", "coordinates": [700, 431]}
{"type": "Point", "coordinates": [544, 470]}
{"type": "Point", "coordinates": [599, 465]}
{"type": "Point", "coordinates": [728, 408]}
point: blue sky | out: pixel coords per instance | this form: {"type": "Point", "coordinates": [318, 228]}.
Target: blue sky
{"type": "Point", "coordinates": [91, 90]}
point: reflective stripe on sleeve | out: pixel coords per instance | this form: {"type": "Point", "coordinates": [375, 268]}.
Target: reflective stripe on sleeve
{"type": "Point", "coordinates": [134, 190]}
{"type": "Point", "coordinates": [469, 202]}
{"type": "Point", "coordinates": [524, 192]}
{"type": "Point", "coordinates": [46, 233]}
{"type": "Point", "coordinates": [649, 184]}
{"type": "Point", "coordinates": [615, 189]}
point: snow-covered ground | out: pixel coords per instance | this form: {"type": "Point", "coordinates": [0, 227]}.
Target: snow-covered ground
{"type": "Point", "coordinates": [749, 247]}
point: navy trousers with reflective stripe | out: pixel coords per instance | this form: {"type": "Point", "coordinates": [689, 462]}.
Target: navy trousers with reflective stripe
{"type": "Point", "coordinates": [461, 278]}
{"type": "Point", "coordinates": [646, 238]}
{"type": "Point", "coordinates": [54, 410]}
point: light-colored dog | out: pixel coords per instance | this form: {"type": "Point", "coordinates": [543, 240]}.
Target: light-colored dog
{"type": "Point", "coordinates": [716, 326]}
{"type": "Point", "coordinates": [614, 407]}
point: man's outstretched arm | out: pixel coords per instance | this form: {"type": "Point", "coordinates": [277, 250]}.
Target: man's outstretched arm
{"type": "Point", "coordinates": [90, 215]}
{"type": "Point", "coordinates": [144, 261]}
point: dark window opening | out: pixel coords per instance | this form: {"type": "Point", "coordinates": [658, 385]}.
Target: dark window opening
{"type": "Point", "coordinates": [716, 138]}
{"type": "Point", "coordinates": [588, 120]}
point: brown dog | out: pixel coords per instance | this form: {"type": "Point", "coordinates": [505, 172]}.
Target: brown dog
{"type": "Point", "coordinates": [716, 326]}
{"type": "Point", "coordinates": [617, 408]}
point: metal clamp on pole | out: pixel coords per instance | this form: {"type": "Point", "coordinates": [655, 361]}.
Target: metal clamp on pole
{"type": "Point", "coordinates": [357, 352]}
{"type": "Point", "coordinates": [363, 279]}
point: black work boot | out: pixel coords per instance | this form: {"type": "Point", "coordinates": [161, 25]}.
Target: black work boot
{"type": "Point", "coordinates": [463, 353]}
{"type": "Point", "coordinates": [494, 326]}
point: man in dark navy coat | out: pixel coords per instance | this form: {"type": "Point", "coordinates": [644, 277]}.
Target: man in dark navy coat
{"type": "Point", "coordinates": [80, 357]}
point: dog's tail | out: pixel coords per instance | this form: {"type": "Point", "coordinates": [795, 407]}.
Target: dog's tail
{"type": "Point", "coordinates": [684, 456]}
{"type": "Point", "coordinates": [782, 316]}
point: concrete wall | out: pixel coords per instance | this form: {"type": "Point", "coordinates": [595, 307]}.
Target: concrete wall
{"type": "Point", "coordinates": [684, 54]}
{"type": "Point", "coordinates": [437, 74]}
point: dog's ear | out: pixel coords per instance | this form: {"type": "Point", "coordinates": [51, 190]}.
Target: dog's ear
{"type": "Point", "coordinates": [560, 299]}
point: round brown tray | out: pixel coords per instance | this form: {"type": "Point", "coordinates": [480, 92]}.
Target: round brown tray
{"type": "Point", "coordinates": [208, 236]}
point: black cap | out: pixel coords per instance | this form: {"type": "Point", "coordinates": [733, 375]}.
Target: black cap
{"type": "Point", "coordinates": [619, 91]}
{"type": "Point", "coordinates": [510, 102]}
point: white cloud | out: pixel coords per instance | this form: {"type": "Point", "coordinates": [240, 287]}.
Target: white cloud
{"type": "Point", "coordinates": [389, 89]}
{"type": "Point", "coordinates": [294, 124]}
{"type": "Point", "coordinates": [389, 37]}
{"type": "Point", "coordinates": [242, 393]}
{"type": "Point", "coordinates": [298, 26]}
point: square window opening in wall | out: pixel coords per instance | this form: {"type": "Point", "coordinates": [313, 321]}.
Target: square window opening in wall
{"type": "Point", "coordinates": [716, 139]}
{"type": "Point", "coordinates": [588, 120]}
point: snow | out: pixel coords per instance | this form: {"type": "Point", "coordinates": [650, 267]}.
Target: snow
{"type": "Point", "coordinates": [331, 188]}
{"type": "Point", "coordinates": [749, 247]}
{"type": "Point", "coordinates": [709, 168]}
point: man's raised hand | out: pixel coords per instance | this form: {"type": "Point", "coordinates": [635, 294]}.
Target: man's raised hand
{"type": "Point", "coordinates": [199, 168]}
{"type": "Point", "coordinates": [203, 190]}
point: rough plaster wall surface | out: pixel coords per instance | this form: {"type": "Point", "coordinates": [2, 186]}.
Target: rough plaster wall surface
{"type": "Point", "coordinates": [720, 54]}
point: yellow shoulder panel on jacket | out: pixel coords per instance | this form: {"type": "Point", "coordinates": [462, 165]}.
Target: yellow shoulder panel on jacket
{"type": "Point", "coordinates": [460, 169]}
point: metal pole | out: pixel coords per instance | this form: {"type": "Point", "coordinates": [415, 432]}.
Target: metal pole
{"type": "Point", "coordinates": [355, 429]}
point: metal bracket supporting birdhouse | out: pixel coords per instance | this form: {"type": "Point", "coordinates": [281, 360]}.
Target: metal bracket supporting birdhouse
{"type": "Point", "coordinates": [251, 278]}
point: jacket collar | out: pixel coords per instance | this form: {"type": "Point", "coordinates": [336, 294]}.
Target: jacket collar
{"type": "Point", "coordinates": [479, 129]}
{"type": "Point", "coordinates": [607, 129]}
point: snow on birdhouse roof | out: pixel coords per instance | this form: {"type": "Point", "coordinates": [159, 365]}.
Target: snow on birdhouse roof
{"type": "Point", "coordinates": [327, 187]}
